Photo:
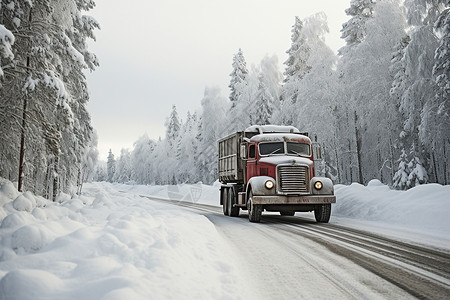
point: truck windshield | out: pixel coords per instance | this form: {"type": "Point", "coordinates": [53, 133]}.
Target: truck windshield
{"type": "Point", "coordinates": [298, 149]}
{"type": "Point", "coordinates": [271, 148]}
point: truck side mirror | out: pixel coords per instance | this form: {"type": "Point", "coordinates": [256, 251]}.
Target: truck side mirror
{"type": "Point", "coordinates": [317, 151]}
{"type": "Point", "coordinates": [243, 153]}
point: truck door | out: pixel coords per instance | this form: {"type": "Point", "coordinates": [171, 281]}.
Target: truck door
{"type": "Point", "coordinates": [251, 161]}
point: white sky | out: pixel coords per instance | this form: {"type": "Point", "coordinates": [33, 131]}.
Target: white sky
{"type": "Point", "coordinates": [154, 54]}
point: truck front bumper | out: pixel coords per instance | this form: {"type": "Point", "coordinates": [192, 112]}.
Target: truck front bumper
{"type": "Point", "coordinates": [281, 199]}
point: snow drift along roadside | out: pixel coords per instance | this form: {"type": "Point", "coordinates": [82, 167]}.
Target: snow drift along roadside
{"type": "Point", "coordinates": [108, 245]}
{"type": "Point", "coordinates": [419, 215]}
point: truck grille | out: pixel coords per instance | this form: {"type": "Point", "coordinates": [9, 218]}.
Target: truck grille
{"type": "Point", "coordinates": [293, 179]}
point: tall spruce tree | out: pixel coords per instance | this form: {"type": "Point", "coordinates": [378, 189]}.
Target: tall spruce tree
{"type": "Point", "coordinates": [264, 102]}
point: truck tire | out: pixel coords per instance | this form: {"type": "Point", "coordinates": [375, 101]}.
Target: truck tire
{"type": "Point", "coordinates": [224, 201]}
{"type": "Point", "coordinates": [254, 210]}
{"type": "Point", "coordinates": [232, 211]}
{"type": "Point", "coordinates": [287, 213]}
{"type": "Point", "coordinates": [322, 213]}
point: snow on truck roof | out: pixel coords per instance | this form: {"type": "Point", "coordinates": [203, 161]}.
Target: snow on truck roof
{"type": "Point", "coordinates": [280, 137]}
{"type": "Point", "coordinates": [272, 129]}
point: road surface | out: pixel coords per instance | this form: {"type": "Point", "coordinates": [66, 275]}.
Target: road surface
{"type": "Point", "coordinates": [296, 258]}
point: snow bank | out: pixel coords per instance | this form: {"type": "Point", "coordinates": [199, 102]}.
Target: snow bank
{"type": "Point", "coordinates": [109, 245]}
{"type": "Point", "coordinates": [418, 215]}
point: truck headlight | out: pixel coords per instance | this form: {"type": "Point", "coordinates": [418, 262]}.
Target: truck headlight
{"type": "Point", "coordinates": [318, 185]}
{"type": "Point", "coordinates": [269, 184]}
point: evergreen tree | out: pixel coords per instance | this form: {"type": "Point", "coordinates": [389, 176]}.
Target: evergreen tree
{"type": "Point", "coordinates": [264, 103]}
{"type": "Point", "coordinates": [241, 95]}
{"type": "Point", "coordinates": [296, 64]}
{"type": "Point", "coordinates": [238, 78]}
{"type": "Point", "coordinates": [172, 127]}
{"type": "Point", "coordinates": [400, 180]}
{"type": "Point", "coordinates": [142, 160]}
{"type": "Point", "coordinates": [354, 30]}
{"type": "Point", "coordinates": [110, 167]}
{"type": "Point", "coordinates": [435, 117]}
{"type": "Point", "coordinates": [123, 172]}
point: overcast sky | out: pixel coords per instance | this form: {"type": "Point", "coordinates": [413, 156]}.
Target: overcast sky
{"type": "Point", "coordinates": [154, 54]}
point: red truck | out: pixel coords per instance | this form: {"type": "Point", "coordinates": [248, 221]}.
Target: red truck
{"type": "Point", "coordinates": [271, 168]}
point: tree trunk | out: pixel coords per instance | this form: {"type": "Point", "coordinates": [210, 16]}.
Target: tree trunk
{"type": "Point", "coordinates": [22, 141]}
{"type": "Point", "coordinates": [22, 131]}
{"type": "Point", "coordinates": [435, 171]}
{"type": "Point", "coordinates": [55, 178]}
{"type": "Point", "coordinates": [445, 164]}
{"type": "Point", "coordinates": [358, 150]}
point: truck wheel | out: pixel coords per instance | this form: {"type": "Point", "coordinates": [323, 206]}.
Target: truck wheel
{"type": "Point", "coordinates": [225, 201]}
{"type": "Point", "coordinates": [322, 213]}
{"type": "Point", "coordinates": [232, 211]}
{"type": "Point", "coordinates": [287, 213]}
{"type": "Point", "coordinates": [254, 210]}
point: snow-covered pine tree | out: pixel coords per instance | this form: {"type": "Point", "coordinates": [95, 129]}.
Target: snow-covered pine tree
{"type": "Point", "coordinates": [273, 80]}
{"type": "Point", "coordinates": [400, 180]}
{"type": "Point", "coordinates": [434, 129]}
{"type": "Point", "coordinates": [238, 78]}
{"type": "Point", "coordinates": [354, 30]}
{"type": "Point", "coordinates": [242, 94]}
{"type": "Point", "coordinates": [123, 171]}
{"type": "Point", "coordinates": [186, 151]}
{"type": "Point", "coordinates": [264, 102]}
{"type": "Point", "coordinates": [365, 78]}
{"type": "Point", "coordinates": [142, 160]}
{"type": "Point", "coordinates": [110, 167]}
{"type": "Point", "coordinates": [418, 174]}
{"type": "Point", "coordinates": [417, 101]}
{"type": "Point", "coordinates": [172, 127]}
{"type": "Point", "coordinates": [296, 68]}
{"type": "Point", "coordinates": [211, 128]}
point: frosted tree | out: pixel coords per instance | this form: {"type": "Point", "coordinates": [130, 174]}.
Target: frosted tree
{"type": "Point", "coordinates": [89, 162]}
{"type": "Point", "coordinates": [364, 93]}
{"type": "Point", "coordinates": [187, 151]}
{"type": "Point", "coordinates": [296, 68]}
{"type": "Point", "coordinates": [211, 128]}
{"type": "Point", "coordinates": [273, 79]}
{"type": "Point", "coordinates": [434, 129]}
{"type": "Point", "coordinates": [6, 54]}
{"type": "Point", "coordinates": [141, 160]}
{"type": "Point", "coordinates": [264, 103]}
{"type": "Point", "coordinates": [400, 180]}
{"type": "Point", "coordinates": [123, 172]}
{"type": "Point", "coordinates": [110, 167]}
{"type": "Point", "coordinates": [418, 102]}
{"type": "Point", "coordinates": [354, 30]}
{"type": "Point", "coordinates": [172, 127]}
{"type": "Point", "coordinates": [418, 175]}
{"type": "Point", "coordinates": [242, 90]}
{"type": "Point", "coordinates": [44, 93]}
{"type": "Point", "coordinates": [238, 78]}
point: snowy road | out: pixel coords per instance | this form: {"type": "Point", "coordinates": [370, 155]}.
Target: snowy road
{"type": "Point", "coordinates": [293, 257]}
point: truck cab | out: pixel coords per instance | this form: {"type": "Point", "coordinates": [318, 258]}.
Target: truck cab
{"type": "Point", "coordinates": [271, 168]}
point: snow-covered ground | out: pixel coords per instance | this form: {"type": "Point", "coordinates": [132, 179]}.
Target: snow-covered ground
{"type": "Point", "coordinates": [110, 243]}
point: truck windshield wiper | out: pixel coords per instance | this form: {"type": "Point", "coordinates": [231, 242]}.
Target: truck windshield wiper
{"type": "Point", "coordinates": [274, 151]}
{"type": "Point", "coordinates": [295, 152]}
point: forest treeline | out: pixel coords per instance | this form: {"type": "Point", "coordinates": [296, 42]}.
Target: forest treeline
{"type": "Point", "coordinates": [380, 108]}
